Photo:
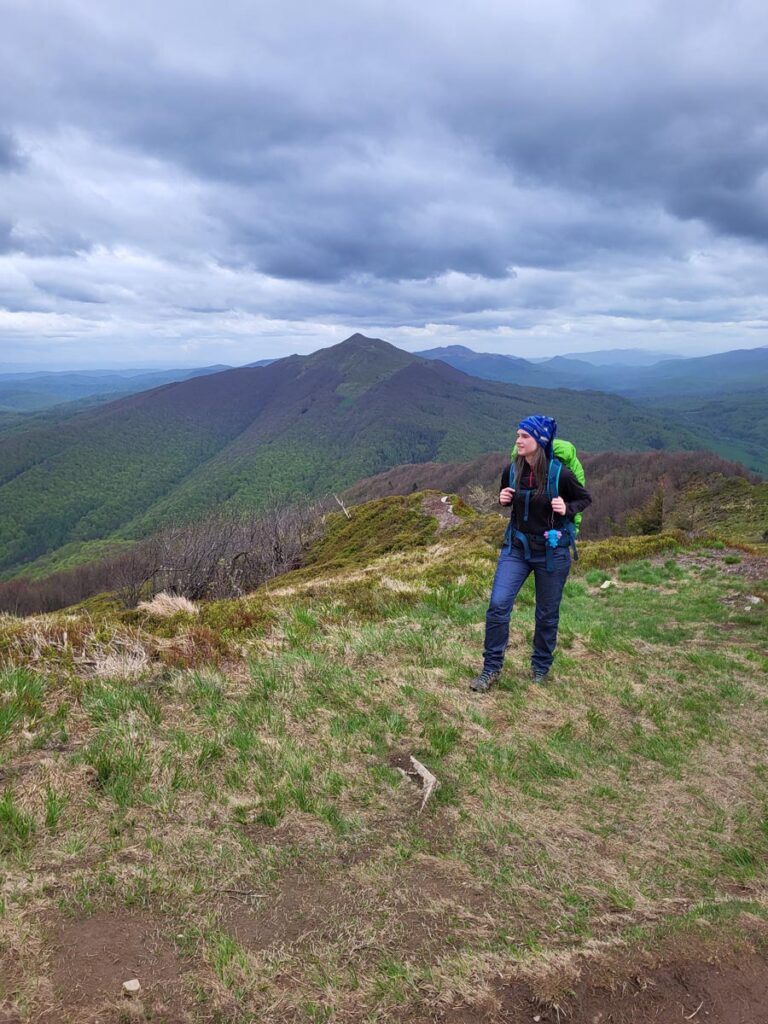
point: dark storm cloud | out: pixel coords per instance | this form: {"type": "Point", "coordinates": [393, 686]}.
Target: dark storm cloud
{"type": "Point", "coordinates": [10, 156]}
{"type": "Point", "coordinates": [731, 211]}
{"type": "Point", "coordinates": [391, 164]}
{"type": "Point", "coordinates": [689, 163]}
{"type": "Point", "coordinates": [279, 129]}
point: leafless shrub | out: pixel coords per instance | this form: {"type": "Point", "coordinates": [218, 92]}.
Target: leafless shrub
{"type": "Point", "coordinates": [228, 554]}
{"type": "Point", "coordinates": [130, 574]}
{"type": "Point", "coordinates": [224, 555]}
{"type": "Point", "coordinates": [482, 498]}
{"type": "Point", "coordinates": [620, 483]}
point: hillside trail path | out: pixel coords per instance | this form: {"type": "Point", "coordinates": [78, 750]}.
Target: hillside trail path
{"type": "Point", "coordinates": [442, 509]}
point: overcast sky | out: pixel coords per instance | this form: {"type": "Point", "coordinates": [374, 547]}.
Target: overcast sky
{"type": "Point", "coordinates": [184, 182]}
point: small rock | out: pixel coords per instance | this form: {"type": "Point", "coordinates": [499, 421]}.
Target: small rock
{"type": "Point", "coordinates": [131, 988]}
{"type": "Point", "coordinates": [753, 599]}
{"type": "Point", "coordinates": [606, 584]}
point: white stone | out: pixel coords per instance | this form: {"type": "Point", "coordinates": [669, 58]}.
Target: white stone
{"type": "Point", "coordinates": [131, 988]}
{"type": "Point", "coordinates": [606, 584]}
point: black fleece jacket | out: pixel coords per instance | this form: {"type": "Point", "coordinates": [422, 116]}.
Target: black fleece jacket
{"type": "Point", "coordinates": [540, 514]}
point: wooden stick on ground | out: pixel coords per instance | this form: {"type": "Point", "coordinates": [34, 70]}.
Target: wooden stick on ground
{"type": "Point", "coordinates": [428, 780]}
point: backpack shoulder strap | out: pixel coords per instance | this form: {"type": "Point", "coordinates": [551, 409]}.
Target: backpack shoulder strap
{"type": "Point", "coordinates": [553, 478]}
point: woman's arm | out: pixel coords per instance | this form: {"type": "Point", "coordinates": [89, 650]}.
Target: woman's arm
{"type": "Point", "coordinates": [506, 494]}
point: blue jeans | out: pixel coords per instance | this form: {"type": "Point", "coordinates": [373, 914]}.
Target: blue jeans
{"type": "Point", "coordinates": [512, 571]}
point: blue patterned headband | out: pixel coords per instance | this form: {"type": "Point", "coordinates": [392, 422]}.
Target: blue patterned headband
{"type": "Point", "coordinates": [542, 429]}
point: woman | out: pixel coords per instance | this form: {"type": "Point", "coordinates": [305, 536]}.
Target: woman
{"type": "Point", "coordinates": [527, 550]}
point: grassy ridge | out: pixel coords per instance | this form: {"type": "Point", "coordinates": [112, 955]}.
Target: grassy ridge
{"type": "Point", "coordinates": [227, 782]}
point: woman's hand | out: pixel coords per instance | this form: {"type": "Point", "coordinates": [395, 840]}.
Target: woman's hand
{"type": "Point", "coordinates": [506, 494]}
{"type": "Point", "coordinates": [558, 505]}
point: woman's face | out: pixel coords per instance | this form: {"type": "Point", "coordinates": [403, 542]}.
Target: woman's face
{"type": "Point", "coordinates": [526, 445]}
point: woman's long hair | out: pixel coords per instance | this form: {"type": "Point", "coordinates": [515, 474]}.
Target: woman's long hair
{"type": "Point", "coordinates": [538, 465]}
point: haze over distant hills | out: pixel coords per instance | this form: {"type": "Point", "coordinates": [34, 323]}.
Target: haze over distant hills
{"type": "Point", "coordinates": [300, 426]}
{"type": "Point", "coordinates": [32, 391]}
{"type": "Point", "coordinates": [620, 357]}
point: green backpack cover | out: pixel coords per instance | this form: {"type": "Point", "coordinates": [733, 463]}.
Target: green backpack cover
{"type": "Point", "coordinates": [566, 453]}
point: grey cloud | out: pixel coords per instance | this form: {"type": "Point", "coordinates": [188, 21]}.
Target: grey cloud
{"type": "Point", "coordinates": [208, 310]}
{"type": "Point", "coordinates": [10, 155]}
{"type": "Point", "coordinates": [6, 227]}
{"type": "Point", "coordinates": [68, 291]}
{"type": "Point", "coordinates": [743, 213]}
{"type": "Point", "coordinates": [65, 244]}
{"type": "Point", "coordinates": [276, 129]}
{"type": "Point", "coordinates": [360, 159]}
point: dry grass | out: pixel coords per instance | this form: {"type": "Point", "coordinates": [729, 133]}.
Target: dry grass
{"type": "Point", "coordinates": [165, 605]}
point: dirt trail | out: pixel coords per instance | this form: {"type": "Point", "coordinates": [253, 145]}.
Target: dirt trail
{"type": "Point", "coordinates": [442, 509]}
{"type": "Point", "coordinates": [718, 993]}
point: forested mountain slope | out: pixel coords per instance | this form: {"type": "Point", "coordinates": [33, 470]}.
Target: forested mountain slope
{"type": "Point", "coordinates": [299, 426]}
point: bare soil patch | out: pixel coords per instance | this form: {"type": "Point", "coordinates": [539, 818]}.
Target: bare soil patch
{"type": "Point", "coordinates": [639, 988]}
{"type": "Point", "coordinates": [732, 993]}
{"type": "Point", "coordinates": [304, 906]}
{"type": "Point", "coordinates": [295, 829]}
{"type": "Point", "coordinates": [93, 956]}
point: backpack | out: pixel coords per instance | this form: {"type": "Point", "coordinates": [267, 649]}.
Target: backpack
{"type": "Point", "coordinates": [563, 454]}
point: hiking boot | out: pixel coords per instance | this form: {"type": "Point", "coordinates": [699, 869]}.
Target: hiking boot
{"type": "Point", "coordinates": [538, 676]}
{"type": "Point", "coordinates": [483, 682]}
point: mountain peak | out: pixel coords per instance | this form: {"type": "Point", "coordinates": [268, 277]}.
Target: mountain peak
{"type": "Point", "coordinates": [357, 336]}
{"type": "Point", "coordinates": [358, 349]}
{"type": "Point", "coordinates": [362, 341]}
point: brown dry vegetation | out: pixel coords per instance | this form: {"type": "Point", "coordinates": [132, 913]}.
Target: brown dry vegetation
{"type": "Point", "coordinates": [217, 813]}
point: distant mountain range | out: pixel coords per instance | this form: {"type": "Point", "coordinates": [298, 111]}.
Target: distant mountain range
{"type": "Point", "coordinates": [634, 373]}
{"type": "Point", "coordinates": [298, 427]}
{"type": "Point", "coordinates": [30, 392]}
{"type": "Point", "coordinates": [704, 376]}
{"type": "Point", "coordinates": [722, 398]}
